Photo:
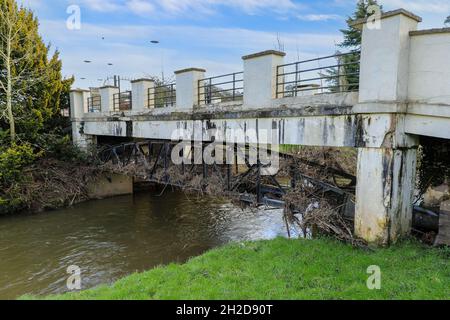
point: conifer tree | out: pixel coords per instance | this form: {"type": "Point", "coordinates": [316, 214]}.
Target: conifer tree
{"type": "Point", "coordinates": [30, 81]}
{"type": "Point", "coordinates": [345, 77]}
{"type": "Point", "coordinates": [352, 35]}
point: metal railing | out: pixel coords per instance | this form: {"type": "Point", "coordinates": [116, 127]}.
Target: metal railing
{"type": "Point", "coordinates": [225, 88]}
{"type": "Point", "coordinates": [122, 101]}
{"type": "Point", "coordinates": [162, 96]}
{"type": "Point", "coordinates": [331, 74]}
{"type": "Point", "coordinates": [94, 104]}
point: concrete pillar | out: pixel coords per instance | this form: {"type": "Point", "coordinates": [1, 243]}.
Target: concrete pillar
{"type": "Point", "coordinates": [260, 77]}
{"type": "Point", "coordinates": [83, 141]}
{"type": "Point", "coordinates": [107, 97]}
{"type": "Point", "coordinates": [140, 94]}
{"type": "Point", "coordinates": [384, 194]}
{"type": "Point", "coordinates": [78, 107]}
{"type": "Point", "coordinates": [79, 103]}
{"type": "Point", "coordinates": [387, 164]}
{"type": "Point", "coordinates": [385, 58]}
{"type": "Point", "coordinates": [187, 87]}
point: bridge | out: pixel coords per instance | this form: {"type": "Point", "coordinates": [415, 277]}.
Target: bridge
{"type": "Point", "coordinates": [381, 100]}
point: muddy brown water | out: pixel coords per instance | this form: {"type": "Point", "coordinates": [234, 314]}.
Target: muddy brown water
{"type": "Point", "coordinates": [109, 239]}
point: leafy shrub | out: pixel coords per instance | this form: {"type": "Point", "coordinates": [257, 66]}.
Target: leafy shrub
{"type": "Point", "coordinates": [61, 148]}
{"type": "Point", "coordinates": [13, 160]}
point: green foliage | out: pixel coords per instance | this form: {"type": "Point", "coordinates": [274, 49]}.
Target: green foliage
{"type": "Point", "coordinates": [352, 42]}
{"type": "Point", "coordinates": [447, 21]}
{"type": "Point", "coordinates": [352, 35]}
{"type": "Point", "coordinates": [12, 161]}
{"type": "Point", "coordinates": [38, 90]}
{"type": "Point", "coordinates": [61, 148]}
{"type": "Point", "coordinates": [289, 269]}
{"type": "Point", "coordinates": [39, 95]}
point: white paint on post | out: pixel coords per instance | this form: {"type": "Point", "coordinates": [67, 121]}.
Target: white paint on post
{"type": "Point", "coordinates": [107, 98]}
{"type": "Point", "coordinates": [78, 103]}
{"type": "Point", "coordinates": [187, 87]}
{"type": "Point", "coordinates": [260, 78]}
{"type": "Point", "coordinates": [140, 94]}
{"type": "Point", "coordinates": [385, 60]}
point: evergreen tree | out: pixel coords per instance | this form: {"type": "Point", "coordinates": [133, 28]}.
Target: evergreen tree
{"type": "Point", "coordinates": [346, 76]}
{"type": "Point", "coordinates": [447, 21]}
{"type": "Point", "coordinates": [352, 35]}
{"type": "Point", "coordinates": [30, 81]}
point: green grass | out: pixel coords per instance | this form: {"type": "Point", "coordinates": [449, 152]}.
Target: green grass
{"type": "Point", "coordinates": [289, 269]}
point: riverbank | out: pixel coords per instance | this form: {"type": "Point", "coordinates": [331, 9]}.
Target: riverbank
{"type": "Point", "coordinates": [289, 269]}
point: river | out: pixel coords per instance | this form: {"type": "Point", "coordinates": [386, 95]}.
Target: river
{"type": "Point", "coordinates": [109, 239]}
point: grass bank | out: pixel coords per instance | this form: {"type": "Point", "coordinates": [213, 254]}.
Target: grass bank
{"type": "Point", "coordinates": [290, 269]}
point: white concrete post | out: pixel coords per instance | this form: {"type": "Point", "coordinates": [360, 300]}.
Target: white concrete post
{"type": "Point", "coordinates": [260, 77]}
{"type": "Point", "coordinates": [386, 166]}
{"type": "Point", "coordinates": [140, 94]}
{"type": "Point", "coordinates": [78, 107]}
{"type": "Point", "coordinates": [79, 103]}
{"type": "Point", "coordinates": [107, 97]}
{"type": "Point", "coordinates": [385, 58]}
{"type": "Point", "coordinates": [187, 87]}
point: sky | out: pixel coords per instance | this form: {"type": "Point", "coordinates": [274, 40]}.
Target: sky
{"type": "Point", "coordinates": [210, 34]}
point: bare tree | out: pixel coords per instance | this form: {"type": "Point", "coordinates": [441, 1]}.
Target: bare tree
{"type": "Point", "coordinates": [14, 77]}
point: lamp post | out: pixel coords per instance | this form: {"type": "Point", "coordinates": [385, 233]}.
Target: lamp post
{"type": "Point", "coordinates": [155, 42]}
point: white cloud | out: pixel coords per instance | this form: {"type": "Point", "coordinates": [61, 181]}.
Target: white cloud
{"type": "Point", "coordinates": [140, 7]}
{"type": "Point", "coordinates": [219, 50]}
{"type": "Point", "coordinates": [421, 6]}
{"type": "Point", "coordinates": [101, 5]}
{"type": "Point", "coordinates": [176, 7]}
{"type": "Point", "coordinates": [319, 17]}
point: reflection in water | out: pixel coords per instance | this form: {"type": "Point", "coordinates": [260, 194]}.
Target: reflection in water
{"type": "Point", "coordinates": [111, 238]}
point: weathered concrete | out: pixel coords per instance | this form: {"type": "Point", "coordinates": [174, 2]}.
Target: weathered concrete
{"type": "Point", "coordinates": [110, 185]}
{"type": "Point", "coordinates": [107, 97]}
{"type": "Point", "coordinates": [386, 174]}
{"type": "Point", "coordinates": [384, 193]}
{"type": "Point", "coordinates": [139, 89]}
{"type": "Point", "coordinates": [187, 87]}
{"type": "Point", "coordinates": [260, 77]}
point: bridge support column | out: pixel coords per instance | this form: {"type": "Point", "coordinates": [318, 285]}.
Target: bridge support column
{"type": "Point", "coordinates": [78, 107]}
{"type": "Point", "coordinates": [140, 94]}
{"type": "Point", "coordinates": [187, 87]}
{"type": "Point", "coordinates": [384, 194]}
{"type": "Point", "coordinates": [387, 157]}
{"type": "Point", "coordinates": [107, 97]}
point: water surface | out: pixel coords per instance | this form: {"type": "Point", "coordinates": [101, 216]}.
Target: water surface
{"type": "Point", "coordinates": [111, 238]}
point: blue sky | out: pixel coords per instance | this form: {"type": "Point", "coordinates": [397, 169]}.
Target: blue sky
{"type": "Point", "coordinates": [212, 34]}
